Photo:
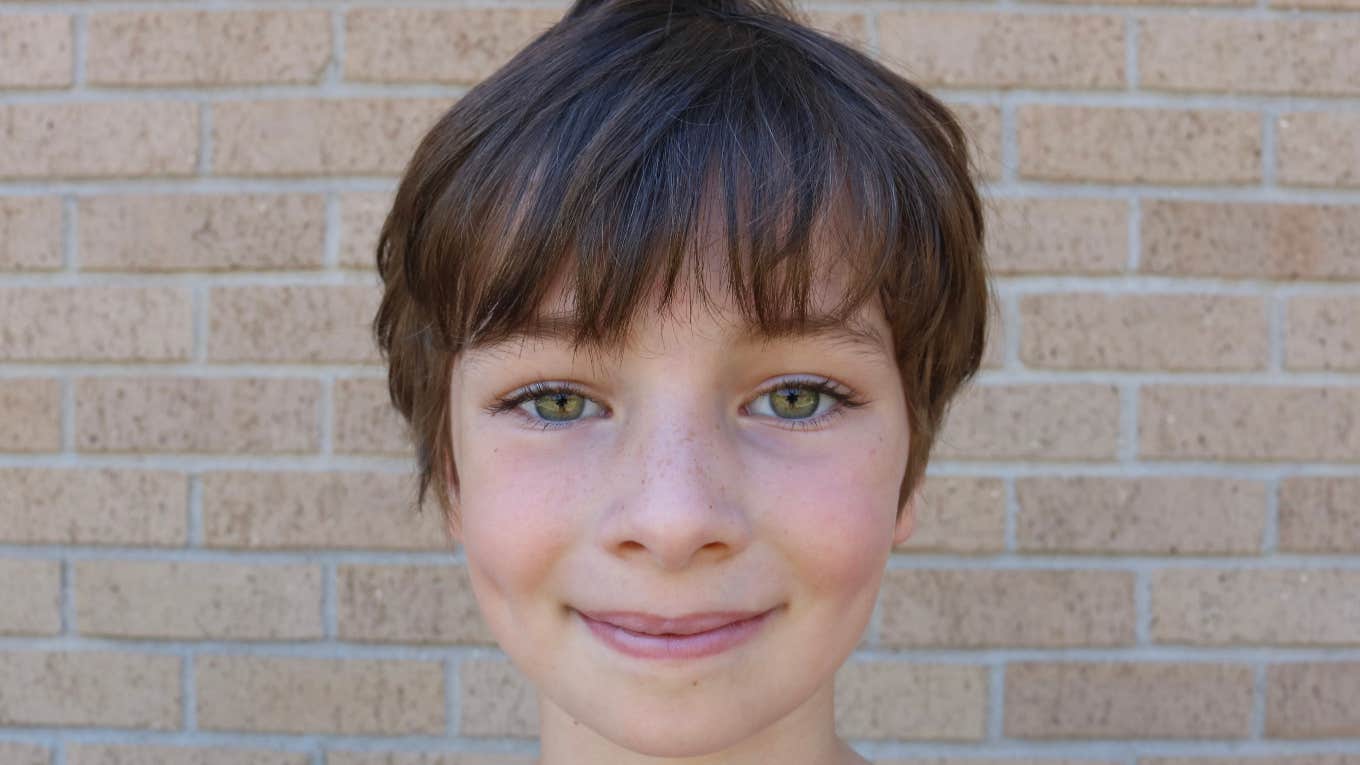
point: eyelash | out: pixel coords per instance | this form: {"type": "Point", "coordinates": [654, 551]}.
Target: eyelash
{"type": "Point", "coordinates": [846, 400]}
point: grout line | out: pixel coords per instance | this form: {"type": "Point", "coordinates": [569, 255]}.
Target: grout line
{"type": "Point", "coordinates": [329, 620]}
{"type": "Point", "coordinates": [996, 702]}
{"type": "Point", "coordinates": [67, 605]}
{"type": "Point", "coordinates": [1258, 703]}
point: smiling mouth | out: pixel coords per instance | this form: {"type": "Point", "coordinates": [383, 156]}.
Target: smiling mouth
{"type": "Point", "coordinates": [728, 634]}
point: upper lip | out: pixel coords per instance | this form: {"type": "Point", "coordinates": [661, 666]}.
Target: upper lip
{"type": "Point", "coordinates": [688, 624]}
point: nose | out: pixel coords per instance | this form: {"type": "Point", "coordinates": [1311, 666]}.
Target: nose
{"type": "Point", "coordinates": [674, 504]}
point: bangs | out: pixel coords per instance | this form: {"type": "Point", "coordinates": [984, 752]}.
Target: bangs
{"type": "Point", "coordinates": [758, 180]}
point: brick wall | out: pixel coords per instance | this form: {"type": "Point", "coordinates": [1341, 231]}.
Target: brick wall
{"type": "Point", "coordinates": [1141, 544]}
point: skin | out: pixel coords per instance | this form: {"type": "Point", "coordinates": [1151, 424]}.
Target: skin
{"type": "Point", "coordinates": [680, 488]}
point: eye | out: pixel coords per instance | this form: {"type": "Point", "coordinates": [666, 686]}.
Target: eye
{"type": "Point", "coordinates": [803, 404]}
{"type": "Point", "coordinates": [800, 402]}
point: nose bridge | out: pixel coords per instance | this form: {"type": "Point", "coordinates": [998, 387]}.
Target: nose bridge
{"type": "Point", "coordinates": [672, 501]}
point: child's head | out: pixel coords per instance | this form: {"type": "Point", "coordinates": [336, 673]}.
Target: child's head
{"type": "Point", "coordinates": [605, 271]}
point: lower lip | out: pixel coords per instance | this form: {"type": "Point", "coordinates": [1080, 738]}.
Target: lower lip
{"type": "Point", "coordinates": [694, 646]}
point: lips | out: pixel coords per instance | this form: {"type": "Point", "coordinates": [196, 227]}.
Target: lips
{"type": "Point", "coordinates": [690, 624]}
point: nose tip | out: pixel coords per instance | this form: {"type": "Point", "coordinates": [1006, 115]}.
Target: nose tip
{"type": "Point", "coordinates": [678, 508]}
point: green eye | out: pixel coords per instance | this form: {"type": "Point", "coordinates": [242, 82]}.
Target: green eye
{"type": "Point", "coordinates": [794, 402]}
{"type": "Point", "coordinates": [559, 406]}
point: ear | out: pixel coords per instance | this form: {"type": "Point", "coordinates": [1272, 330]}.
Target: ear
{"type": "Point", "coordinates": [906, 517]}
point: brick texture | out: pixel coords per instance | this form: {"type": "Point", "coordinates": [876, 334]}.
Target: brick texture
{"type": "Point", "coordinates": [1126, 145]}
{"type": "Point", "coordinates": [202, 232]}
{"type": "Point", "coordinates": [30, 234]}
{"type": "Point", "coordinates": [309, 695]}
{"type": "Point", "coordinates": [181, 47]}
{"type": "Point", "coordinates": [105, 139]}
{"type": "Point", "coordinates": [983, 609]}
{"type": "Point", "coordinates": [35, 50]}
{"type": "Point", "coordinates": [1138, 534]}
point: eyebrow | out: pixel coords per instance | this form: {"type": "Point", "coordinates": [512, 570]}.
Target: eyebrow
{"type": "Point", "coordinates": [860, 339]}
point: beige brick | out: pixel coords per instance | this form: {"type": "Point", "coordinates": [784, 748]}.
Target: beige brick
{"type": "Point", "coordinates": [1256, 607]}
{"type": "Point", "coordinates": [1138, 145]}
{"type": "Point", "coordinates": [30, 233]}
{"type": "Point", "coordinates": [461, 45]}
{"type": "Point", "coordinates": [994, 352]}
{"type": "Point", "coordinates": [1317, 759]}
{"type": "Point", "coordinates": [1078, 421]}
{"type": "Point", "coordinates": [1313, 700]}
{"type": "Point", "coordinates": [990, 761]}
{"type": "Point", "coordinates": [31, 420]}
{"type": "Point", "coordinates": [104, 139]}
{"type": "Point", "coordinates": [1254, 422]}
{"type": "Point", "coordinates": [1322, 332]}
{"type": "Point", "coordinates": [1238, 55]}
{"type": "Point", "coordinates": [1318, 149]}
{"type": "Point", "coordinates": [1174, 331]}
{"type": "Point", "coordinates": [310, 695]}
{"type": "Point", "coordinates": [298, 323]}
{"type": "Point", "coordinates": [202, 232]}
{"type": "Point", "coordinates": [182, 47]}
{"type": "Point", "coordinates": [95, 688]}
{"type": "Point", "coordinates": [354, 136]}
{"type": "Point", "coordinates": [1217, 3]}
{"type": "Point", "coordinates": [1004, 50]}
{"type": "Point", "coordinates": [982, 123]}
{"type": "Point", "coordinates": [366, 422]}
{"type": "Point", "coordinates": [135, 754]}
{"type": "Point", "coordinates": [1319, 514]}
{"type": "Point", "coordinates": [902, 701]}
{"type": "Point", "coordinates": [187, 414]}
{"type": "Point", "coordinates": [959, 515]}
{"type": "Point", "coordinates": [1049, 700]}
{"type": "Point", "coordinates": [14, 753]}
{"type": "Point", "coordinates": [96, 323]}
{"type": "Point", "coordinates": [362, 214]}
{"type": "Point", "coordinates": [35, 50]}
{"type": "Point", "coordinates": [408, 604]}
{"type": "Point", "coordinates": [1295, 760]}
{"type": "Point", "coordinates": [283, 510]}
{"type": "Point", "coordinates": [93, 506]}
{"type": "Point", "coordinates": [197, 601]}
{"type": "Point", "coordinates": [1255, 240]}
{"type": "Point", "coordinates": [496, 700]}
{"type": "Point", "coordinates": [850, 28]}
{"type": "Point", "coordinates": [30, 597]}
{"type": "Point", "coordinates": [1140, 516]}
{"type": "Point", "coordinates": [975, 608]}
{"type": "Point", "coordinates": [1338, 5]}
{"type": "Point", "coordinates": [1057, 236]}
{"type": "Point", "coordinates": [337, 757]}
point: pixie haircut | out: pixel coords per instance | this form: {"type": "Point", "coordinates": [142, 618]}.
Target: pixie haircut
{"type": "Point", "coordinates": [596, 155]}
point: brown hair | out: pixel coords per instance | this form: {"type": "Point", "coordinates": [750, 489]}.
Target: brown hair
{"type": "Point", "coordinates": [600, 147]}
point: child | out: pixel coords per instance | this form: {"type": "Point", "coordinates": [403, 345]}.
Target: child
{"type": "Point", "coordinates": [675, 302]}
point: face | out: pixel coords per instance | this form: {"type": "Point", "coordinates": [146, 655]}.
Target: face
{"type": "Point", "coordinates": [696, 471]}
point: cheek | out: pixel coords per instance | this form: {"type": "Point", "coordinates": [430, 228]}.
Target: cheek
{"type": "Point", "coordinates": [835, 515]}
{"type": "Point", "coordinates": [517, 516]}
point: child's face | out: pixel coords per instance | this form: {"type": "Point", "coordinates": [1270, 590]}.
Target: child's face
{"type": "Point", "coordinates": [671, 485]}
